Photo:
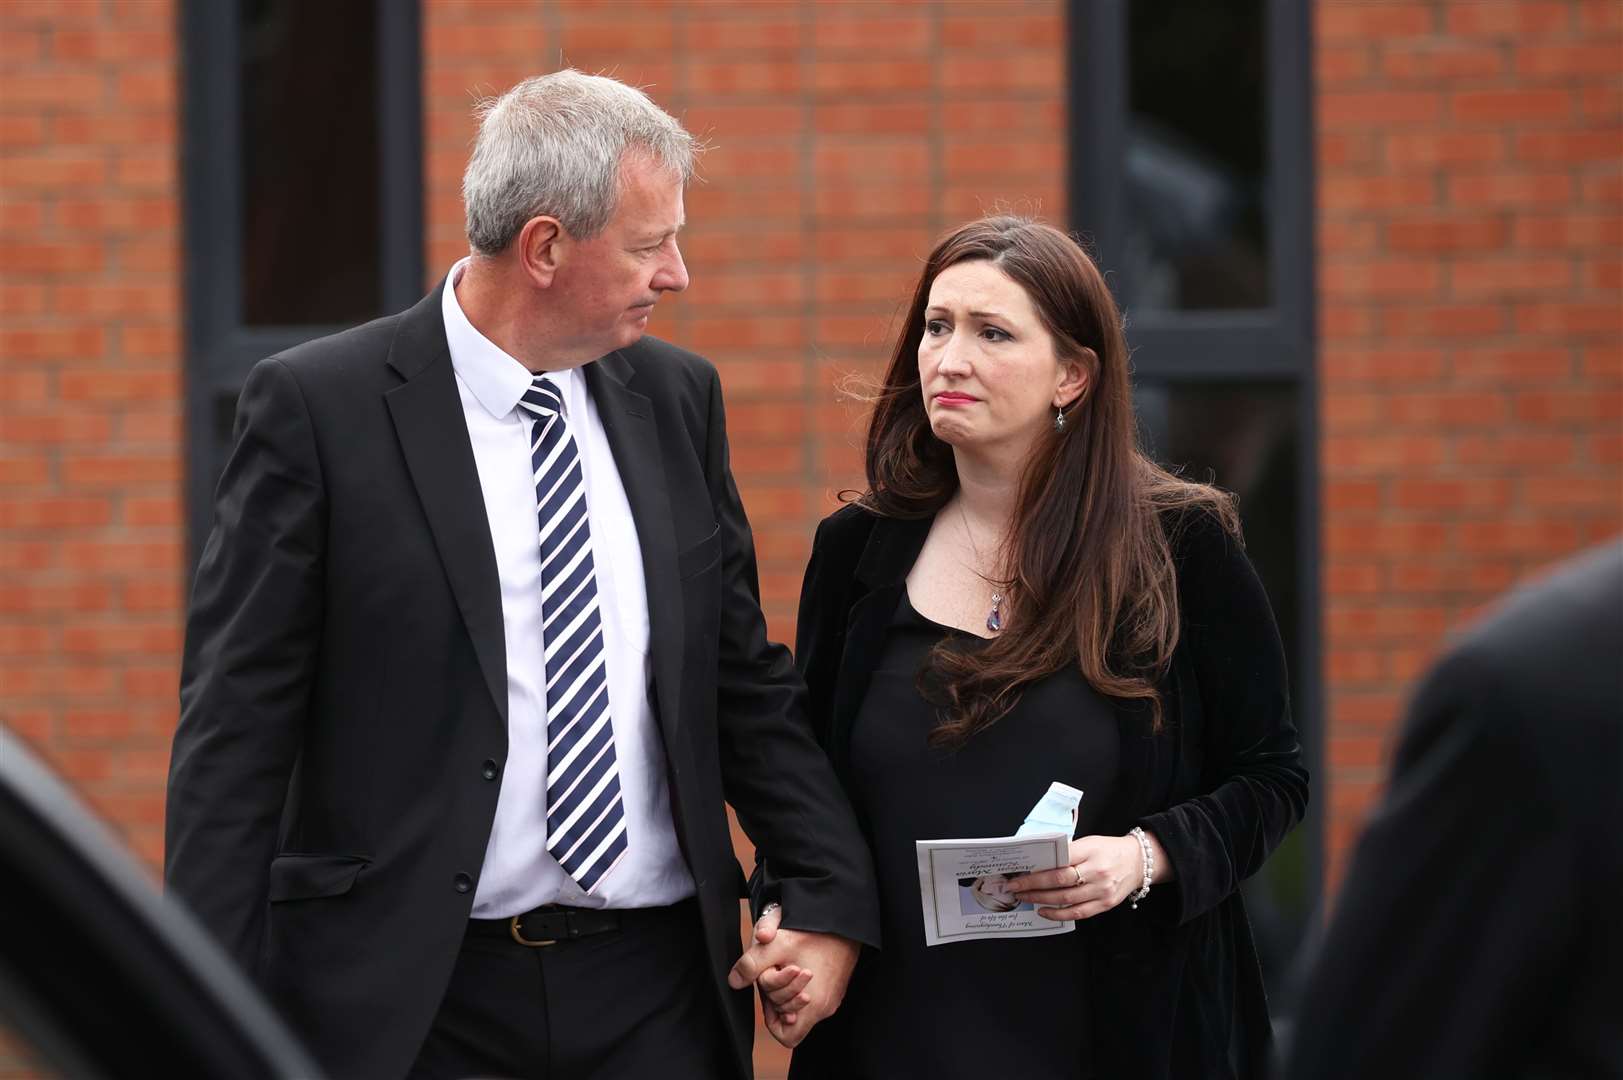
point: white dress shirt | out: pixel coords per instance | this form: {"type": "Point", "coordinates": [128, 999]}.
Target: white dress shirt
{"type": "Point", "coordinates": [518, 873]}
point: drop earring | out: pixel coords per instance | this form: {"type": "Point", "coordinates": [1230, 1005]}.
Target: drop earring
{"type": "Point", "coordinates": [1059, 420]}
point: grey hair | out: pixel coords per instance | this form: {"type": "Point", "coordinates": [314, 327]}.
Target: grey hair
{"type": "Point", "coordinates": [553, 145]}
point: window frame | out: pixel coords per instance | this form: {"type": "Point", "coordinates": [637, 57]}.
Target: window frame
{"type": "Point", "coordinates": [1277, 342]}
{"type": "Point", "coordinates": [220, 347]}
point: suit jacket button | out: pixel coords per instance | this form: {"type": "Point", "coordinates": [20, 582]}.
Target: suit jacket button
{"type": "Point", "coordinates": [462, 882]}
{"type": "Point", "coordinates": [488, 770]}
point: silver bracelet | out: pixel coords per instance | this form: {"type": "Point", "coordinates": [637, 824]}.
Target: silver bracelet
{"type": "Point", "coordinates": [1149, 865]}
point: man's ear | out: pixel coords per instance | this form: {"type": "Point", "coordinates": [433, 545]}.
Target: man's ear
{"type": "Point", "coordinates": [541, 249]}
{"type": "Point", "coordinates": [1075, 375]}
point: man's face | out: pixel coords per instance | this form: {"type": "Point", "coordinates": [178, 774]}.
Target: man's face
{"type": "Point", "coordinates": [610, 283]}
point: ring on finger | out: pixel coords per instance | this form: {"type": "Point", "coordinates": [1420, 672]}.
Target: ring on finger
{"type": "Point", "coordinates": [1077, 870]}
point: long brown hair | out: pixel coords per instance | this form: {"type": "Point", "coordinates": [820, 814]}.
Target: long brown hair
{"type": "Point", "coordinates": [1092, 580]}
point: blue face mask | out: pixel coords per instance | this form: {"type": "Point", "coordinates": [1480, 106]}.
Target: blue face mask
{"type": "Point", "coordinates": [1054, 812]}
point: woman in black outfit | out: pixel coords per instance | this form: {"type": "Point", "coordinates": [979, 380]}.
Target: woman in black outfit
{"type": "Point", "coordinates": [1021, 596]}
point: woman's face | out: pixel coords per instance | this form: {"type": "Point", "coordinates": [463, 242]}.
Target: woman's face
{"type": "Point", "coordinates": [987, 365]}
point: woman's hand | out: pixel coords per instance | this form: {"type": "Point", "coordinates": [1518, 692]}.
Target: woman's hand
{"type": "Point", "coordinates": [781, 988]}
{"type": "Point", "coordinates": [1103, 871]}
{"type": "Point", "coordinates": [782, 963]}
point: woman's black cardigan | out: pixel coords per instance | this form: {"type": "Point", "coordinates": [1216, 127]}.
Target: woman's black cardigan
{"type": "Point", "coordinates": [1175, 986]}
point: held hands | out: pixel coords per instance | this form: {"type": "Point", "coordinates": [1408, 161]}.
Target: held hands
{"type": "Point", "coordinates": [1103, 871]}
{"type": "Point", "coordinates": [801, 975]}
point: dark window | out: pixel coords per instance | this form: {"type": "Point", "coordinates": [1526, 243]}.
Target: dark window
{"type": "Point", "coordinates": [303, 178]}
{"type": "Point", "coordinates": [1196, 169]}
{"type": "Point", "coordinates": [309, 162]}
{"type": "Point", "coordinates": [1191, 174]}
{"type": "Point", "coordinates": [1245, 436]}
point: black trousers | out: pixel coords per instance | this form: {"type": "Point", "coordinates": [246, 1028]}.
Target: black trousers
{"type": "Point", "coordinates": [635, 1002]}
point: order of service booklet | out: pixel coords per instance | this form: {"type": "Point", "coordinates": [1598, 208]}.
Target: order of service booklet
{"type": "Point", "coordinates": [963, 883]}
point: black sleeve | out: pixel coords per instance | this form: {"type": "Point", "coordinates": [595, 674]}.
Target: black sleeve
{"type": "Point", "coordinates": [251, 640]}
{"type": "Point", "coordinates": [819, 637]}
{"type": "Point", "coordinates": [1450, 930]}
{"type": "Point", "coordinates": [810, 855]}
{"type": "Point", "coordinates": [1248, 743]}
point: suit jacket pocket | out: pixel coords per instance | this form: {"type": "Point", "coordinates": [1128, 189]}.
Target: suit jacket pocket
{"type": "Point", "coordinates": [306, 877]}
{"type": "Point", "coordinates": [699, 557]}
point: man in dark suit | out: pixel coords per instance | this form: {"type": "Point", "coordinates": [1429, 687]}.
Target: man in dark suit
{"type": "Point", "coordinates": [1477, 933]}
{"type": "Point", "coordinates": [476, 653]}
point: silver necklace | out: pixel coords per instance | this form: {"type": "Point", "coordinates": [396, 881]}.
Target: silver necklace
{"type": "Point", "coordinates": [994, 618]}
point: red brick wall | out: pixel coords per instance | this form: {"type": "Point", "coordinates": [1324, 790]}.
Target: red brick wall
{"type": "Point", "coordinates": [1470, 161]}
{"type": "Point", "coordinates": [91, 544]}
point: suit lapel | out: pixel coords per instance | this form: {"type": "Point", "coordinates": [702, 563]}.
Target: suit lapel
{"type": "Point", "coordinates": [427, 414]}
{"type": "Point", "coordinates": [633, 434]}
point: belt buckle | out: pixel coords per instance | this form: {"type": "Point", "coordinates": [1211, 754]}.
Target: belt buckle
{"type": "Point", "coordinates": [518, 935]}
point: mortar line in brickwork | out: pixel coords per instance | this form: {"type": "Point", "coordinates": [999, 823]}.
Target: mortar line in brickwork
{"type": "Point", "coordinates": [938, 139]}
{"type": "Point", "coordinates": [552, 21]}
{"type": "Point", "coordinates": [681, 101]}
{"type": "Point", "coordinates": [812, 391]}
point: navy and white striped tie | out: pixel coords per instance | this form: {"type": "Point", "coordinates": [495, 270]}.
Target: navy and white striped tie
{"type": "Point", "coordinates": [586, 826]}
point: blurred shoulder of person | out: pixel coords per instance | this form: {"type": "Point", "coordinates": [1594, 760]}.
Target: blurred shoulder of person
{"type": "Point", "coordinates": [1476, 933]}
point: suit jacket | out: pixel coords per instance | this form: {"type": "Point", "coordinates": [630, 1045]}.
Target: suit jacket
{"type": "Point", "coordinates": [343, 695]}
{"type": "Point", "coordinates": [1477, 933]}
{"type": "Point", "coordinates": [1178, 987]}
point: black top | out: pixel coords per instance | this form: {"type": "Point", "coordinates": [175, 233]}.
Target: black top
{"type": "Point", "coordinates": [1177, 988]}
{"type": "Point", "coordinates": [904, 998]}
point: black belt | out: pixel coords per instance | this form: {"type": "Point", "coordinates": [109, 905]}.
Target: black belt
{"type": "Point", "coordinates": [548, 925]}
{"type": "Point", "coordinates": [555, 923]}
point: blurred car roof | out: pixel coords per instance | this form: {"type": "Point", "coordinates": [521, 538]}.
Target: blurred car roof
{"type": "Point", "coordinates": [100, 974]}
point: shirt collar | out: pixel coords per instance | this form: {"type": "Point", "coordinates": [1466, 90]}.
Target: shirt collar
{"type": "Point", "coordinates": [495, 377]}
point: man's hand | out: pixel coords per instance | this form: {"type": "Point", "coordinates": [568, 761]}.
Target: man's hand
{"type": "Point", "coordinates": [801, 975]}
